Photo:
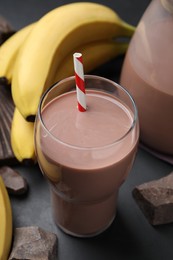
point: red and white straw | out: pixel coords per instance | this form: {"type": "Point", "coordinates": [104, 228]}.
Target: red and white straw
{"type": "Point", "coordinates": [80, 83]}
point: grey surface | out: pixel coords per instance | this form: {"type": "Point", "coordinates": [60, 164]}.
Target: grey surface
{"type": "Point", "coordinates": [130, 236]}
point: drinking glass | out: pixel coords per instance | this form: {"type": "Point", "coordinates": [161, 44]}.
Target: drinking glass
{"type": "Point", "coordinates": [84, 163]}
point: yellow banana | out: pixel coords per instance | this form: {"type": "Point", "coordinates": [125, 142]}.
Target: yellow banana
{"type": "Point", "coordinates": [5, 222]}
{"type": "Point", "coordinates": [9, 50]}
{"type": "Point", "coordinates": [22, 138]}
{"type": "Point", "coordinates": [94, 55]}
{"type": "Point", "coordinates": [54, 36]}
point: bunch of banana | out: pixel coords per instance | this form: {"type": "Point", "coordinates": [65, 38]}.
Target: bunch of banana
{"type": "Point", "coordinates": [22, 131]}
{"type": "Point", "coordinates": [53, 38]}
{"type": "Point", "coordinates": [22, 138]}
{"type": "Point", "coordinates": [41, 54]}
{"type": "Point", "coordinates": [5, 222]}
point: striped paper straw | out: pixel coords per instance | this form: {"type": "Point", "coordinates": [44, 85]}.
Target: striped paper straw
{"type": "Point", "coordinates": [80, 84]}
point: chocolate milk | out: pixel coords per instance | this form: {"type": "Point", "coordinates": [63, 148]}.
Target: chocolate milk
{"type": "Point", "coordinates": [86, 159]}
{"type": "Point", "coordinates": [147, 74]}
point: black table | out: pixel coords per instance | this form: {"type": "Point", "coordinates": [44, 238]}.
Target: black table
{"type": "Point", "coordinates": [130, 236]}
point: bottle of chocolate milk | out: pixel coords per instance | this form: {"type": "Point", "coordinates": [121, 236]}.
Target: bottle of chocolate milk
{"type": "Point", "coordinates": [147, 73]}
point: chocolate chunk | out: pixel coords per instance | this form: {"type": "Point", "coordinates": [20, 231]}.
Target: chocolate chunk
{"type": "Point", "coordinates": [7, 156]}
{"type": "Point", "coordinates": [34, 243]}
{"type": "Point", "coordinates": [5, 30]}
{"type": "Point", "coordinates": [14, 182]}
{"type": "Point", "coordinates": [155, 199]}
{"type": "Point", "coordinates": [6, 106]}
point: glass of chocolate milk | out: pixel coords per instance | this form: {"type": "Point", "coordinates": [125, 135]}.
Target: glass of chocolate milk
{"type": "Point", "coordinates": [86, 156]}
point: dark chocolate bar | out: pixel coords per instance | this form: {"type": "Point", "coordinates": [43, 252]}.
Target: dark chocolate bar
{"type": "Point", "coordinates": [155, 199]}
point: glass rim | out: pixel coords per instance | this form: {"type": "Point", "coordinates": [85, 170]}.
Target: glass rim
{"type": "Point", "coordinates": [135, 114]}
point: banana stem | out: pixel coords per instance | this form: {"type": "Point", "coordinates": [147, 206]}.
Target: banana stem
{"type": "Point", "coordinates": [127, 29]}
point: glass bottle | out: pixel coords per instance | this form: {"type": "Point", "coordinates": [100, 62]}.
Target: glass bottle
{"type": "Point", "coordinates": [147, 73]}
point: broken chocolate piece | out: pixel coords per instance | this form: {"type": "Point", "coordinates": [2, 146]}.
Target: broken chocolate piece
{"type": "Point", "coordinates": [5, 30]}
{"type": "Point", "coordinates": [155, 199]}
{"type": "Point", "coordinates": [7, 156]}
{"type": "Point", "coordinates": [33, 243]}
{"type": "Point", "coordinates": [14, 182]}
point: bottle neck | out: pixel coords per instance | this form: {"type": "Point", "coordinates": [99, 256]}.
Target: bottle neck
{"type": "Point", "coordinates": [168, 5]}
